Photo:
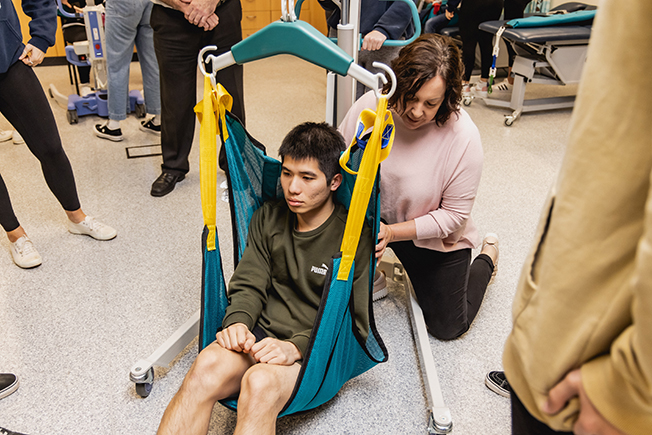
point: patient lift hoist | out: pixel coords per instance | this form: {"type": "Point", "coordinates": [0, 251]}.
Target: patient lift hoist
{"type": "Point", "coordinates": [281, 38]}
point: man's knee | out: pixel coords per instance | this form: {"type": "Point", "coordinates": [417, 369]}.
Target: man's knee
{"type": "Point", "coordinates": [260, 384]}
{"type": "Point", "coordinates": [206, 373]}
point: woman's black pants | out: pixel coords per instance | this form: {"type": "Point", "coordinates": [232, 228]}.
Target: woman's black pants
{"type": "Point", "coordinates": [24, 104]}
{"type": "Point", "coordinates": [448, 287]}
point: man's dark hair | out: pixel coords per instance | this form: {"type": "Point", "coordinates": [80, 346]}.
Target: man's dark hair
{"type": "Point", "coordinates": [430, 55]}
{"type": "Point", "coordinates": [319, 141]}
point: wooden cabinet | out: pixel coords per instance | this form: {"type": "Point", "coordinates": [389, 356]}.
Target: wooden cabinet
{"type": "Point", "coordinates": [256, 14]}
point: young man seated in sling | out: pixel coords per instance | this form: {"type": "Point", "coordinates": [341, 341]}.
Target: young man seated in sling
{"type": "Point", "coordinates": [274, 293]}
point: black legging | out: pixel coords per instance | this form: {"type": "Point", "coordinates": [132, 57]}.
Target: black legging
{"type": "Point", "coordinates": [447, 285]}
{"type": "Point", "coordinates": [472, 13]}
{"type": "Point", "coordinates": [26, 107]}
{"type": "Point", "coordinates": [513, 9]}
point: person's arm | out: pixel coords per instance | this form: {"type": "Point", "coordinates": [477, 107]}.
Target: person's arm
{"type": "Point", "coordinates": [391, 25]}
{"type": "Point", "coordinates": [614, 390]}
{"type": "Point", "coordinates": [251, 278]}
{"type": "Point", "coordinates": [42, 28]}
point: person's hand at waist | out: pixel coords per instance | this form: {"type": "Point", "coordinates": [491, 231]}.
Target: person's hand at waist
{"type": "Point", "coordinates": [273, 351]}
{"type": "Point", "coordinates": [31, 56]}
{"type": "Point", "coordinates": [589, 420]}
{"type": "Point", "coordinates": [373, 40]}
{"type": "Point", "coordinates": [449, 15]}
{"type": "Point", "coordinates": [236, 337]}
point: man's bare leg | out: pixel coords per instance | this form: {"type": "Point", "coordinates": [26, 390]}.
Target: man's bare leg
{"type": "Point", "coordinates": [216, 374]}
{"type": "Point", "coordinates": [265, 389]}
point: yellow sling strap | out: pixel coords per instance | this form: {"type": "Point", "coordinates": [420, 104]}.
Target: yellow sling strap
{"type": "Point", "coordinates": [215, 102]}
{"type": "Point", "coordinates": [376, 150]}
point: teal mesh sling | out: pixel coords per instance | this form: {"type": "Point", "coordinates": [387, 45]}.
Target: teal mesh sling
{"type": "Point", "coordinates": [336, 351]}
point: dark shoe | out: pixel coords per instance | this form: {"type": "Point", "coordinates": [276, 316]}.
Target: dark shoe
{"type": "Point", "coordinates": [165, 183]}
{"type": "Point", "coordinates": [8, 384]}
{"type": "Point", "coordinates": [149, 127]}
{"type": "Point", "coordinates": [104, 132]}
{"type": "Point", "coordinates": [497, 382]}
{"type": "Point", "coordinates": [4, 431]}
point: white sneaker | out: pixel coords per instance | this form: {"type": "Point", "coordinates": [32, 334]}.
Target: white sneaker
{"type": "Point", "coordinates": [502, 87]}
{"type": "Point", "coordinates": [380, 286]}
{"type": "Point", "coordinates": [479, 89]}
{"type": "Point", "coordinates": [25, 254]}
{"type": "Point", "coordinates": [17, 138]}
{"type": "Point", "coordinates": [92, 227]}
{"type": "Point", "coordinates": [6, 135]}
{"type": "Point", "coordinates": [466, 90]}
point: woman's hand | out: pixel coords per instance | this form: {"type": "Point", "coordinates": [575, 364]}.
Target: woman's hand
{"type": "Point", "coordinates": [31, 56]}
{"type": "Point", "coordinates": [385, 236]}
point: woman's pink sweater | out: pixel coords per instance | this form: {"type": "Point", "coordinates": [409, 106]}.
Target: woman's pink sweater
{"type": "Point", "coordinates": [431, 176]}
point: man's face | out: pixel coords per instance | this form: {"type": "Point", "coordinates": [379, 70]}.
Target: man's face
{"type": "Point", "coordinates": [304, 185]}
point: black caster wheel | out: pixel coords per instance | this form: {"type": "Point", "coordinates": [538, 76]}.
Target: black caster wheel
{"type": "Point", "coordinates": [509, 121]}
{"type": "Point", "coordinates": [72, 117]}
{"type": "Point", "coordinates": [141, 111]}
{"type": "Point", "coordinates": [144, 389]}
{"type": "Point", "coordinates": [467, 101]}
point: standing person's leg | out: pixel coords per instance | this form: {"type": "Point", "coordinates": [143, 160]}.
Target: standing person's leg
{"type": "Point", "coordinates": [468, 42]}
{"type": "Point", "coordinates": [120, 32]}
{"type": "Point", "coordinates": [35, 122]}
{"type": "Point", "coordinates": [176, 43]}
{"type": "Point", "coordinates": [149, 69]}
{"type": "Point", "coordinates": [224, 36]}
{"type": "Point", "coordinates": [216, 374]}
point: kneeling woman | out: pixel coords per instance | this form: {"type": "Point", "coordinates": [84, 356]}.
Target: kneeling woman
{"type": "Point", "coordinates": [429, 183]}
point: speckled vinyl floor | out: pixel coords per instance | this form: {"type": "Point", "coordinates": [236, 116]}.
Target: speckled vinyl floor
{"type": "Point", "coordinates": [72, 328]}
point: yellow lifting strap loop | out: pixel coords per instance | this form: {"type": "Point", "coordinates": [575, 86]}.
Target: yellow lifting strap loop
{"type": "Point", "coordinates": [376, 150]}
{"type": "Point", "coordinates": [207, 111]}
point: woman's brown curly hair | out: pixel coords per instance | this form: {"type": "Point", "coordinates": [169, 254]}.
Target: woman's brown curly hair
{"type": "Point", "coordinates": [428, 56]}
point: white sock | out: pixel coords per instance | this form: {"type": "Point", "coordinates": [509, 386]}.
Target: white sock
{"type": "Point", "coordinates": [112, 124]}
{"type": "Point", "coordinates": [156, 120]}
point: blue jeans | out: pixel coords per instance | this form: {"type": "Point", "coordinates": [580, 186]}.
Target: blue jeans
{"type": "Point", "coordinates": [438, 22]}
{"type": "Point", "coordinates": [127, 22]}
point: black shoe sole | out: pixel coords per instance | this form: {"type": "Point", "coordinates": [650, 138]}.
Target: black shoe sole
{"type": "Point", "coordinates": [170, 188]}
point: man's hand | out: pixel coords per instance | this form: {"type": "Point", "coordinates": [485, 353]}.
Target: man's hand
{"type": "Point", "coordinates": [236, 337]}
{"type": "Point", "coordinates": [385, 236]}
{"type": "Point", "coordinates": [273, 351]}
{"type": "Point", "coordinates": [31, 56]}
{"type": "Point", "coordinates": [449, 15]}
{"type": "Point", "coordinates": [198, 12]}
{"type": "Point", "coordinates": [373, 40]}
{"type": "Point", "coordinates": [589, 421]}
